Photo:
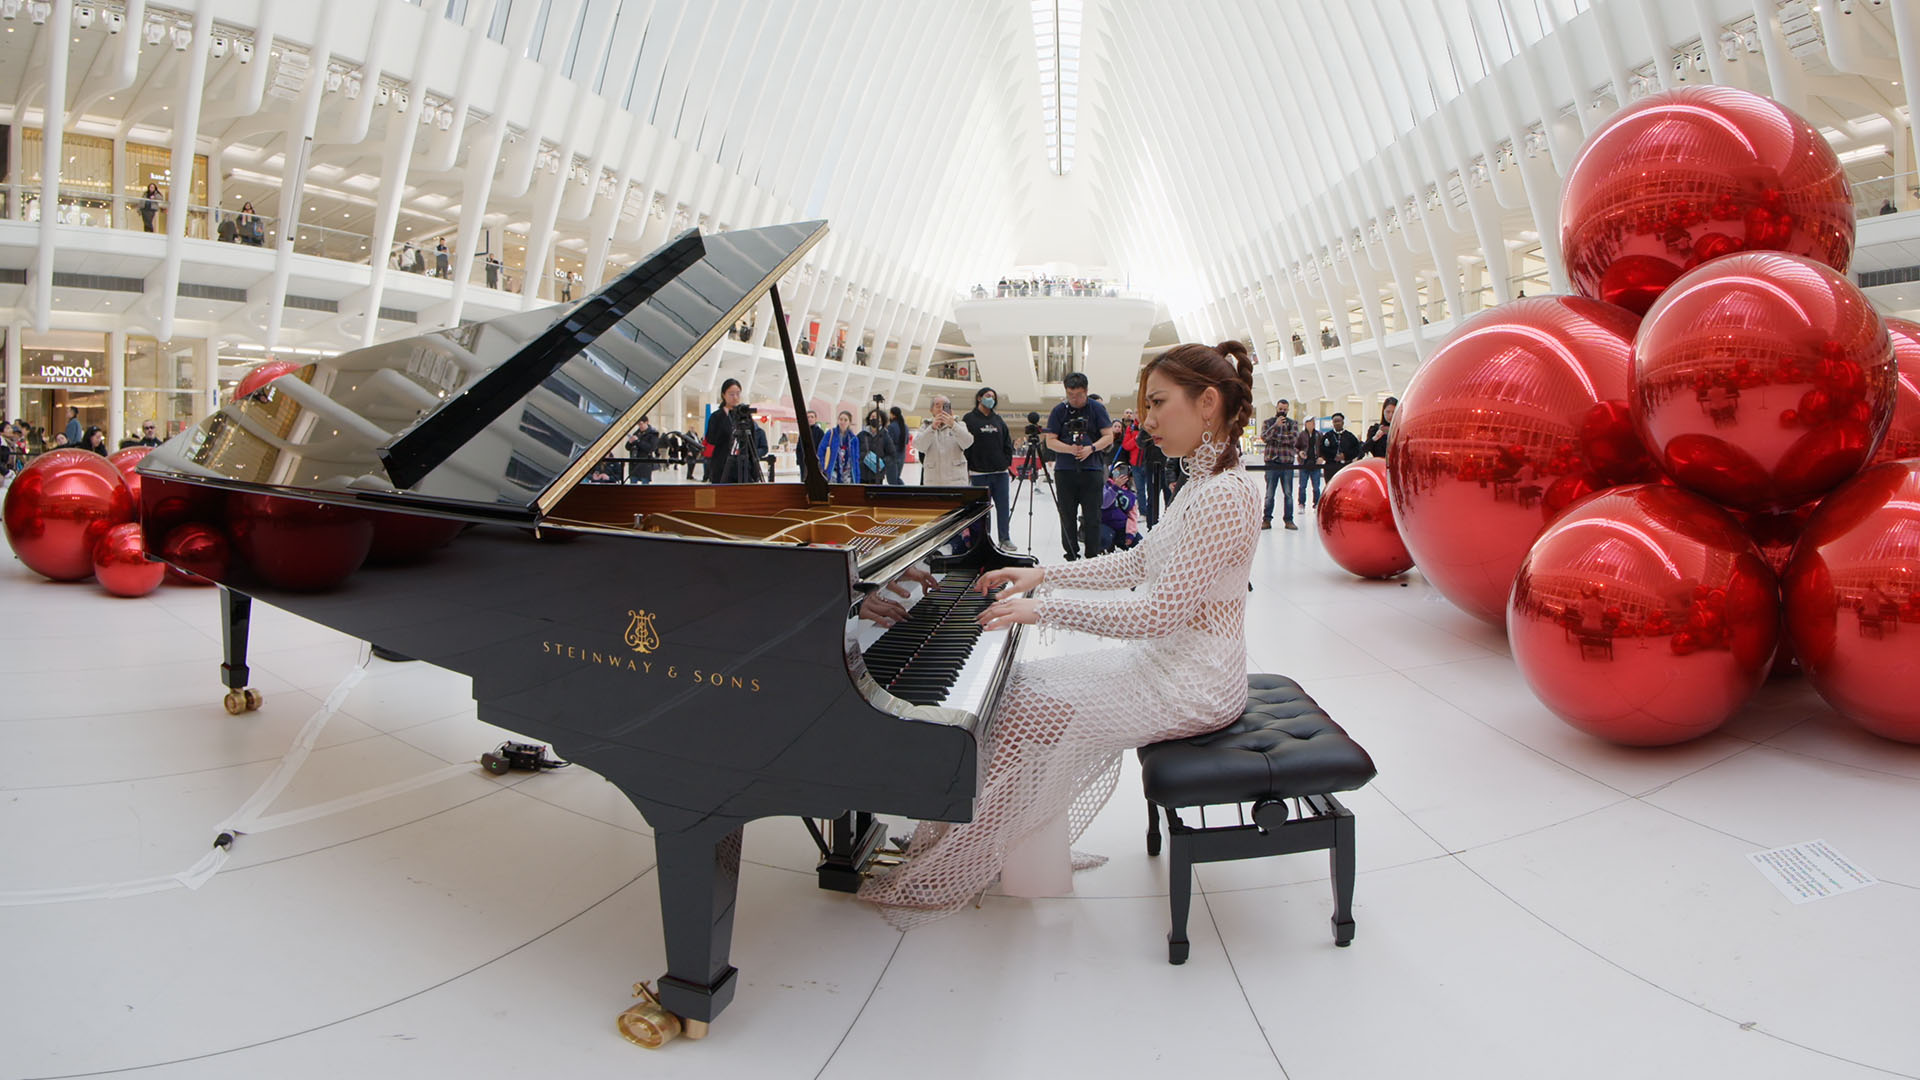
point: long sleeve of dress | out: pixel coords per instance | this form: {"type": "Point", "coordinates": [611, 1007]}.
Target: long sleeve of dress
{"type": "Point", "coordinates": [1114, 570]}
{"type": "Point", "coordinates": [1215, 543]}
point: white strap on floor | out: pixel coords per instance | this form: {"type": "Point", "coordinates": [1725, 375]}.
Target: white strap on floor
{"type": "Point", "coordinates": [251, 817]}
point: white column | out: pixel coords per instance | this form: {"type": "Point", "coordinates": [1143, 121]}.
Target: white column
{"type": "Point", "coordinates": [186, 138]}
{"type": "Point", "coordinates": [13, 369]}
{"type": "Point", "coordinates": [53, 122]}
{"type": "Point", "coordinates": [206, 360]}
{"type": "Point", "coordinates": [116, 385]}
{"type": "Point", "coordinates": [118, 212]}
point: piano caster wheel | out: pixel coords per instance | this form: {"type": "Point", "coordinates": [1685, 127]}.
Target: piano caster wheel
{"type": "Point", "coordinates": [650, 1025]}
{"type": "Point", "coordinates": [499, 766]}
{"type": "Point", "coordinates": [241, 701]}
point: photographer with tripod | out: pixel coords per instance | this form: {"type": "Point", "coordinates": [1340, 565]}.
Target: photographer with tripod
{"type": "Point", "coordinates": [732, 443]}
{"type": "Point", "coordinates": [1079, 431]}
{"type": "Point", "coordinates": [989, 456]}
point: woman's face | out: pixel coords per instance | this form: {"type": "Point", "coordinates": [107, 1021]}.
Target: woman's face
{"type": "Point", "coordinates": [1177, 420]}
{"type": "Point", "coordinates": [1386, 413]}
{"type": "Point", "coordinates": [846, 421]}
{"type": "Point", "coordinates": [731, 397]}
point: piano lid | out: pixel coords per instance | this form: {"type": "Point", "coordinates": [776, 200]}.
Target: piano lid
{"type": "Point", "coordinates": [500, 416]}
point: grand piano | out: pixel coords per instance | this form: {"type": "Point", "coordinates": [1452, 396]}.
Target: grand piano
{"type": "Point", "coordinates": [697, 645]}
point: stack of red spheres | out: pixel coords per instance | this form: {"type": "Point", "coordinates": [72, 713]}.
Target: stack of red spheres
{"type": "Point", "coordinates": [72, 514]}
{"type": "Point", "coordinates": [1631, 480]}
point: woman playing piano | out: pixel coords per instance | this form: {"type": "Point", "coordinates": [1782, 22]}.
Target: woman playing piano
{"type": "Point", "coordinates": [1064, 721]}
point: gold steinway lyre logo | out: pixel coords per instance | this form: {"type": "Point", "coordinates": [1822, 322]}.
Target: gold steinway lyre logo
{"type": "Point", "coordinates": [640, 632]}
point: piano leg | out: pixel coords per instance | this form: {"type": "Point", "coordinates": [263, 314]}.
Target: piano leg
{"type": "Point", "coordinates": [699, 875]}
{"type": "Point", "coordinates": [853, 839]}
{"type": "Point", "coordinates": [236, 616]}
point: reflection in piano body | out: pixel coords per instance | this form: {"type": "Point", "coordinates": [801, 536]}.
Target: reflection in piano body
{"type": "Point", "coordinates": [694, 644]}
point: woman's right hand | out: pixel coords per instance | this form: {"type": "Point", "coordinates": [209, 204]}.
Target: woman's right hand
{"type": "Point", "coordinates": [1017, 579]}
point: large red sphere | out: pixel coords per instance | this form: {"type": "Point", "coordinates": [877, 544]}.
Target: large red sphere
{"type": "Point", "coordinates": [196, 554]}
{"type": "Point", "coordinates": [127, 457]}
{"type": "Point", "coordinates": [1763, 380]}
{"type": "Point", "coordinates": [1356, 522]}
{"type": "Point", "coordinates": [59, 506]}
{"type": "Point", "coordinates": [120, 562]}
{"type": "Point", "coordinates": [1644, 616]}
{"type": "Point", "coordinates": [1903, 434]}
{"type": "Point", "coordinates": [298, 544]}
{"type": "Point", "coordinates": [1519, 413]}
{"type": "Point", "coordinates": [257, 378]}
{"type": "Point", "coordinates": [1853, 600]}
{"type": "Point", "coordinates": [405, 538]}
{"type": "Point", "coordinates": [1681, 177]}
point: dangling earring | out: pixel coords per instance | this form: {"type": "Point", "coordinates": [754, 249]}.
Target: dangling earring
{"type": "Point", "coordinates": [1206, 437]}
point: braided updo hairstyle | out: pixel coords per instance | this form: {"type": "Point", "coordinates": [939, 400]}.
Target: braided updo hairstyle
{"type": "Point", "coordinates": [1226, 367]}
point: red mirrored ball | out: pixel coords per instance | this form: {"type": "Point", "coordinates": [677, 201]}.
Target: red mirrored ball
{"type": "Point", "coordinates": [1763, 381]}
{"type": "Point", "coordinates": [1644, 616]}
{"type": "Point", "coordinates": [59, 506]}
{"type": "Point", "coordinates": [1355, 520]}
{"type": "Point", "coordinates": [1678, 178]}
{"type": "Point", "coordinates": [1514, 417]}
{"type": "Point", "coordinates": [1903, 434]}
{"type": "Point", "coordinates": [1853, 600]}
{"type": "Point", "coordinates": [196, 554]}
{"type": "Point", "coordinates": [120, 562]}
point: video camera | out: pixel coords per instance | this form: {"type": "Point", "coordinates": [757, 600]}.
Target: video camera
{"type": "Point", "coordinates": [1033, 425]}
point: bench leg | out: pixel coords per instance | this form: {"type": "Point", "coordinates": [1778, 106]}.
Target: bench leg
{"type": "Point", "coordinates": [1153, 829]}
{"type": "Point", "coordinates": [1341, 858]}
{"type": "Point", "coordinates": [1180, 896]}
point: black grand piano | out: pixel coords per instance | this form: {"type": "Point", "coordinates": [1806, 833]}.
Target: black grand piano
{"type": "Point", "coordinates": [695, 644]}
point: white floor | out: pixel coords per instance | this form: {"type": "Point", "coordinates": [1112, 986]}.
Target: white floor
{"type": "Point", "coordinates": [1531, 903]}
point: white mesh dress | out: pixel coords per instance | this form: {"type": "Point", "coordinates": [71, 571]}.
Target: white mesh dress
{"type": "Point", "coordinates": [1064, 721]}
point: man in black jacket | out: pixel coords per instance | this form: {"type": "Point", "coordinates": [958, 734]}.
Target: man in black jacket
{"type": "Point", "coordinates": [643, 444]}
{"type": "Point", "coordinates": [989, 458]}
{"type": "Point", "coordinates": [1338, 447]}
{"type": "Point", "coordinates": [819, 437]}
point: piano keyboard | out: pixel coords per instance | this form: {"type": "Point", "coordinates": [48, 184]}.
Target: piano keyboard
{"type": "Point", "coordinates": [938, 654]}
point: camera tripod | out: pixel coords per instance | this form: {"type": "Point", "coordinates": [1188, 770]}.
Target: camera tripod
{"type": "Point", "coordinates": [1034, 467]}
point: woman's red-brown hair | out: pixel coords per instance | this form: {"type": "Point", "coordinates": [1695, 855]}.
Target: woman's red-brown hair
{"type": "Point", "coordinates": [1226, 367]}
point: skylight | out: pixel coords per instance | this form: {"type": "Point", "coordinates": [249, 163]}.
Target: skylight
{"type": "Point", "coordinates": [1056, 37]}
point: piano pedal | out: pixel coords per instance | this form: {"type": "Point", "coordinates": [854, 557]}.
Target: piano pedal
{"type": "Point", "coordinates": [527, 757]}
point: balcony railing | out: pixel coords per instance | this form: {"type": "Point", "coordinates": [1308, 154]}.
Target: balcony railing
{"type": "Point", "coordinates": [1031, 289]}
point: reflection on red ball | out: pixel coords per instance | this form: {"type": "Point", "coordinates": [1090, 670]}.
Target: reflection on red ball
{"type": "Point", "coordinates": [196, 554]}
{"type": "Point", "coordinates": [1356, 522]}
{"type": "Point", "coordinates": [405, 538]}
{"type": "Point", "coordinates": [298, 544]}
{"type": "Point", "coordinates": [121, 565]}
{"type": "Point", "coordinates": [1644, 616]}
{"type": "Point", "coordinates": [59, 506]}
{"type": "Point", "coordinates": [257, 378]}
{"type": "Point", "coordinates": [165, 504]}
{"type": "Point", "coordinates": [1903, 435]}
{"type": "Point", "coordinates": [1678, 178]}
{"type": "Point", "coordinates": [1763, 380]}
{"type": "Point", "coordinates": [1514, 417]}
{"type": "Point", "coordinates": [1853, 600]}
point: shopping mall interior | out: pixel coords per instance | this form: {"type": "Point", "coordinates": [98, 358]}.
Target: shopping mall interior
{"type": "Point", "coordinates": [427, 214]}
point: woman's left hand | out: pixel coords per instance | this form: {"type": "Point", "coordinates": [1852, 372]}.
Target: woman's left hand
{"type": "Point", "coordinates": [1006, 612]}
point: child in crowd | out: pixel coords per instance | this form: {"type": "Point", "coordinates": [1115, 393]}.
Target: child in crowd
{"type": "Point", "coordinates": [1119, 510]}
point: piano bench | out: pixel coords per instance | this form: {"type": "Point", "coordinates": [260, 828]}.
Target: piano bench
{"type": "Point", "coordinates": [1283, 749]}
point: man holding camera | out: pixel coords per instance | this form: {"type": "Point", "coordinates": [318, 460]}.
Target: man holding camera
{"type": "Point", "coordinates": [1278, 437]}
{"type": "Point", "coordinates": [1339, 447]}
{"type": "Point", "coordinates": [1078, 432]}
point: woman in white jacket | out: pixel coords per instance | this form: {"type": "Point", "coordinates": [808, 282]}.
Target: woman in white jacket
{"type": "Point", "coordinates": [942, 445]}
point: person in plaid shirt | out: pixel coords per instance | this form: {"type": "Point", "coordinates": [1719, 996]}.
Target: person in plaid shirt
{"type": "Point", "coordinates": [1279, 434]}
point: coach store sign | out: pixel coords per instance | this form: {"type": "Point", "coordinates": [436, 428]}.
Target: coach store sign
{"type": "Point", "coordinates": [61, 370]}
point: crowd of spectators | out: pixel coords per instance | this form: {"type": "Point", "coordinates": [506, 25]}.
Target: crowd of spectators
{"type": "Point", "coordinates": [1044, 285]}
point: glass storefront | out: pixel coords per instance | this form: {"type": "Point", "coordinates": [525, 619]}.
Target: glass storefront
{"type": "Point", "coordinates": [159, 387]}
{"type": "Point", "coordinates": [59, 371]}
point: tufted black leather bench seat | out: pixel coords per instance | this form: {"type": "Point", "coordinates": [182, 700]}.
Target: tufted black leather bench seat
{"type": "Point", "coordinates": [1287, 758]}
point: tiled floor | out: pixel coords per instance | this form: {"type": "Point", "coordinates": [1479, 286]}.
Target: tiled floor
{"type": "Point", "coordinates": [1532, 903]}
